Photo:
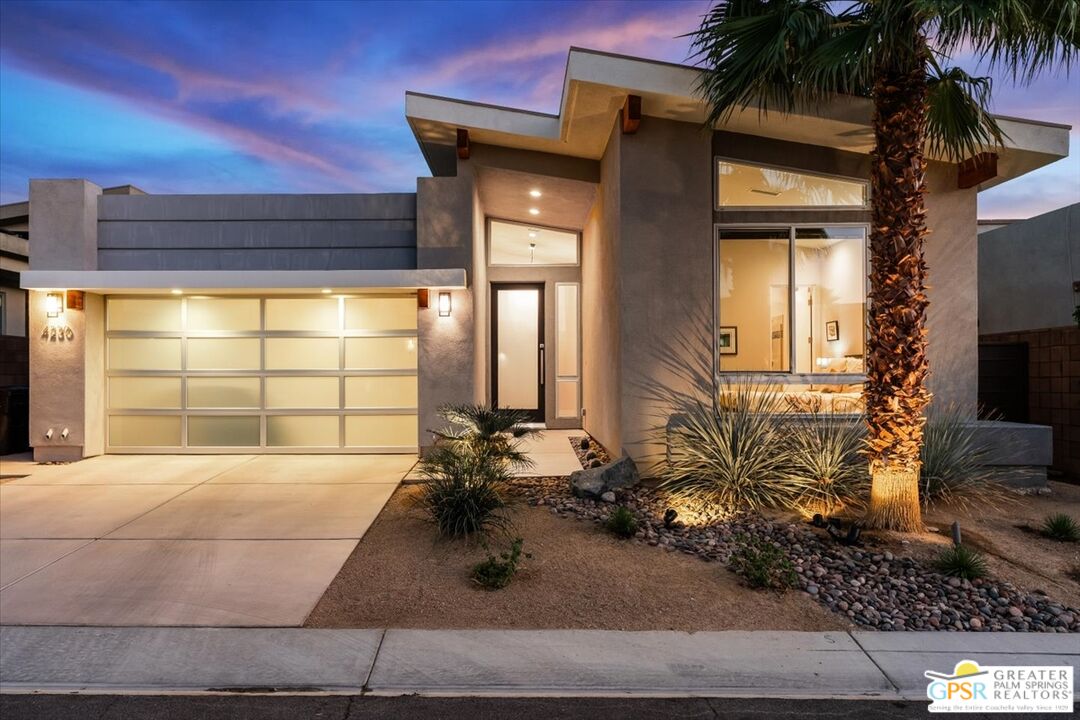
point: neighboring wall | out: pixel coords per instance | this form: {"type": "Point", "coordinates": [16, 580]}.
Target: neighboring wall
{"type": "Point", "coordinates": [1026, 273]}
{"type": "Point", "coordinates": [256, 232]}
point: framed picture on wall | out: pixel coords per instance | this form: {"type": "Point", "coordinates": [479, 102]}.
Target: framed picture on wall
{"type": "Point", "coordinates": [727, 340]}
{"type": "Point", "coordinates": [832, 330]}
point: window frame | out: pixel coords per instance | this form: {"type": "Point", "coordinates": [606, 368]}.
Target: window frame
{"type": "Point", "coordinates": [717, 207]}
{"type": "Point", "coordinates": [490, 220]}
{"type": "Point", "coordinates": [789, 377]}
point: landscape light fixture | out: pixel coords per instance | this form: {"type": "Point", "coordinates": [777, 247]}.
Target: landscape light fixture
{"type": "Point", "coordinates": [444, 304]}
{"type": "Point", "coordinates": [54, 304]}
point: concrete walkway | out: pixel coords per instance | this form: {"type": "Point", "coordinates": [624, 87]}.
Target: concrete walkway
{"type": "Point", "coordinates": [505, 663]}
{"type": "Point", "coordinates": [197, 540]}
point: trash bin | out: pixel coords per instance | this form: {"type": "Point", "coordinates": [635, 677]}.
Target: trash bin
{"type": "Point", "coordinates": [14, 419]}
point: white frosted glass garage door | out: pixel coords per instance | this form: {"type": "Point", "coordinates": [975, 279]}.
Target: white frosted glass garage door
{"type": "Point", "coordinates": [237, 374]}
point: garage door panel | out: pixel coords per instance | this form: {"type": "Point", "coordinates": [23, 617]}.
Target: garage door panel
{"type": "Point", "coordinates": [312, 374]}
{"type": "Point", "coordinates": [224, 392]}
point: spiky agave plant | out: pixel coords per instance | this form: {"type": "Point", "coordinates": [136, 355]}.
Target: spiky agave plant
{"type": "Point", "coordinates": [825, 463]}
{"type": "Point", "coordinates": [487, 430]}
{"type": "Point", "coordinates": [955, 463]}
{"type": "Point", "coordinates": [730, 456]}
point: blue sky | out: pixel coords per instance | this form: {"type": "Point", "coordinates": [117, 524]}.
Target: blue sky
{"type": "Point", "coordinates": [309, 96]}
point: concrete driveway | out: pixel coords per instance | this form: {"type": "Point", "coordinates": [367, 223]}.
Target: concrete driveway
{"type": "Point", "coordinates": [202, 540]}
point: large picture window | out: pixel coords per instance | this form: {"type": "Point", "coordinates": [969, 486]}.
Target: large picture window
{"type": "Point", "coordinates": [742, 185]}
{"type": "Point", "coordinates": [791, 299]}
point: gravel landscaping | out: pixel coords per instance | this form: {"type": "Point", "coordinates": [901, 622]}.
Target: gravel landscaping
{"type": "Point", "coordinates": [874, 588]}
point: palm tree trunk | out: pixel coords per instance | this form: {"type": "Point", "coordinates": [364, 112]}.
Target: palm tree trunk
{"type": "Point", "coordinates": [896, 369]}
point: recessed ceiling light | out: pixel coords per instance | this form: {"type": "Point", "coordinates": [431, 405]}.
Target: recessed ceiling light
{"type": "Point", "coordinates": [534, 193]}
{"type": "Point", "coordinates": [532, 233]}
{"type": "Point", "coordinates": [534, 211]}
{"type": "Point", "coordinates": [177, 291]}
{"type": "Point", "coordinates": [326, 291]}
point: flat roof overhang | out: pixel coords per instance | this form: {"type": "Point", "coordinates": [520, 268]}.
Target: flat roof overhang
{"type": "Point", "coordinates": [233, 282]}
{"type": "Point", "coordinates": [595, 87]}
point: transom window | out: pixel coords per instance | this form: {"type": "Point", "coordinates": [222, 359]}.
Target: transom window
{"type": "Point", "coordinates": [741, 185]}
{"type": "Point", "coordinates": [519, 244]}
{"type": "Point", "coordinates": [791, 299]}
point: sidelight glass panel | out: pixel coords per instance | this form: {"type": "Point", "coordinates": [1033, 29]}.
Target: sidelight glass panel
{"type": "Point", "coordinates": [223, 431]}
{"type": "Point", "coordinates": [302, 354]}
{"type": "Point", "coordinates": [302, 314]}
{"type": "Point", "coordinates": [302, 392]}
{"type": "Point", "coordinates": [566, 328]}
{"type": "Point", "coordinates": [223, 392]}
{"type": "Point", "coordinates": [223, 314]}
{"type": "Point", "coordinates": [144, 431]}
{"type": "Point", "coordinates": [159, 393]}
{"type": "Point", "coordinates": [566, 398]}
{"type": "Point", "coordinates": [753, 329]}
{"type": "Point", "coordinates": [519, 348]}
{"type": "Point", "coordinates": [302, 431]}
{"type": "Point", "coordinates": [393, 353]}
{"type": "Point", "coordinates": [144, 314]}
{"type": "Point", "coordinates": [746, 185]}
{"type": "Point", "coordinates": [380, 313]}
{"type": "Point", "coordinates": [380, 431]}
{"type": "Point", "coordinates": [830, 299]}
{"type": "Point", "coordinates": [144, 353]}
{"type": "Point", "coordinates": [223, 354]}
{"type": "Point", "coordinates": [381, 392]}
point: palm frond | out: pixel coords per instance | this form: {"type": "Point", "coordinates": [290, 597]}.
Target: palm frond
{"type": "Point", "coordinates": [959, 123]}
{"type": "Point", "coordinates": [1024, 37]}
{"type": "Point", "coordinates": [752, 51]}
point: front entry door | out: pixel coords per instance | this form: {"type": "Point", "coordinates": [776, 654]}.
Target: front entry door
{"type": "Point", "coordinates": [517, 330]}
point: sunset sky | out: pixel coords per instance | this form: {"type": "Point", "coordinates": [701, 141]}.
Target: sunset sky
{"type": "Point", "coordinates": [225, 97]}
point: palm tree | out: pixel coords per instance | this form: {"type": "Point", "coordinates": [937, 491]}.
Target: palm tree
{"type": "Point", "coordinates": [790, 55]}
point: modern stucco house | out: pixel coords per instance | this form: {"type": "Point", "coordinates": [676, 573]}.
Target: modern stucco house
{"type": "Point", "coordinates": [546, 265]}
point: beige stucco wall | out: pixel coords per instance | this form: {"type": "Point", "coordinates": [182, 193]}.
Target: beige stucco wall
{"type": "Point", "coordinates": [665, 268]}
{"type": "Point", "coordinates": [600, 317]}
{"type": "Point", "coordinates": [445, 238]}
{"type": "Point", "coordinates": [952, 264]}
{"type": "Point", "coordinates": [63, 223]}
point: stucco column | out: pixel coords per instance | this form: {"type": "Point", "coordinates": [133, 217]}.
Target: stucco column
{"type": "Point", "coordinates": [67, 383]}
{"type": "Point", "coordinates": [952, 319]}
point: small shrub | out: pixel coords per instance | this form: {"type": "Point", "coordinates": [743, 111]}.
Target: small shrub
{"type": "Point", "coordinates": [496, 573]}
{"type": "Point", "coordinates": [1061, 526]}
{"type": "Point", "coordinates": [462, 493]}
{"type": "Point", "coordinates": [621, 522]}
{"type": "Point", "coordinates": [730, 456]}
{"type": "Point", "coordinates": [954, 463]}
{"type": "Point", "coordinates": [762, 564]}
{"type": "Point", "coordinates": [825, 464]}
{"type": "Point", "coordinates": [962, 562]}
{"type": "Point", "coordinates": [487, 430]}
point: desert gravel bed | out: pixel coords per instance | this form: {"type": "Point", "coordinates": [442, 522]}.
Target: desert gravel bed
{"type": "Point", "coordinates": [873, 588]}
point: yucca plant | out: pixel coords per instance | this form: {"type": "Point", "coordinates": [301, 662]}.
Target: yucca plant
{"type": "Point", "coordinates": [1061, 526]}
{"type": "Point", "coordinates": [825, 463]}
{"type": "Point", "coordinates": [954, 461]}
{"type": "Point", "coordinates": [730, 456]}
{"type": "Point", "coordinates": [462, 494]}
{"type": "Point", "coordinates": [487, 430]}
{"type": "Point", "coordinates": [962, 562]}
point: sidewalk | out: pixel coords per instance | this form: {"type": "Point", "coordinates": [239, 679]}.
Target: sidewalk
{"type": "Point", "coordinates": [887, 666]}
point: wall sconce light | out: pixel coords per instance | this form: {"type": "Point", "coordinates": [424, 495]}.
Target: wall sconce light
{"type": "Point", "coordinates": [54, 304]}
{"type": "Point", "coordinates": [444, 304]}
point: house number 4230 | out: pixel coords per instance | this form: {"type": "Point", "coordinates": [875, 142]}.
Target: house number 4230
{"type": "Point", "coordinates": [57, 334]}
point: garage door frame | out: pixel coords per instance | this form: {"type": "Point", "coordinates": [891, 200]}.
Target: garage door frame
{"type": "Point", "coordinates": [341, 412]}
